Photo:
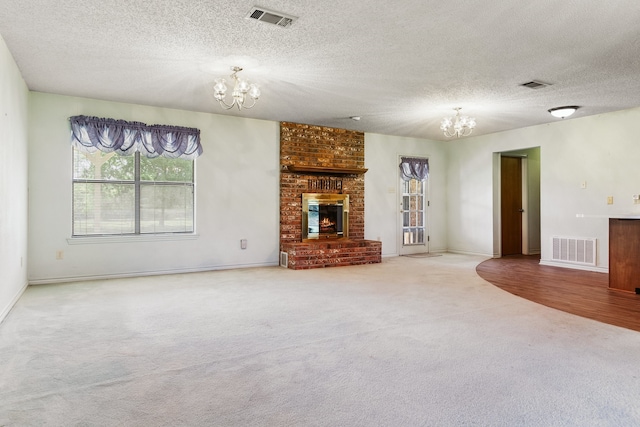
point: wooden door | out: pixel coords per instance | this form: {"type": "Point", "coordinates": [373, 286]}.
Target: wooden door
{"type": "Point", "coordinates": [511, 205]}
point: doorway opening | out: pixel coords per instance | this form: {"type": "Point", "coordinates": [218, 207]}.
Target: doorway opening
{"type": "Point", "coordinates": [517, 202]}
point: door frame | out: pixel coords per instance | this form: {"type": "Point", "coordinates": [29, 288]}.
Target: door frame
{"type": "Point", "coordinates": [419, 248]}
{"type": "Point", "coordinates": [526, 196]}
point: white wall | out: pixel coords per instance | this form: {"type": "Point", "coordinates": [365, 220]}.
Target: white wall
{"type": "Point", "coordinates": [238, 177]}
{"type": "Point", "coordinates": [602, 150]}
{"type": "Point", "coordinates": [13, 181]}
{"type": "Point", "coordinates": [237, 181]}
{"type": "Point", "coordinates": [382, 201]}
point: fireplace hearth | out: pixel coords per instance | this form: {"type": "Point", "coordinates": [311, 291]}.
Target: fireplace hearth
{"type": "Point", "coordinates": [325, 216]}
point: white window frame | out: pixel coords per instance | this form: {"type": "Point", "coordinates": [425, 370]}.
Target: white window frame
{"type": "Point", "coordinates": [138, 184]}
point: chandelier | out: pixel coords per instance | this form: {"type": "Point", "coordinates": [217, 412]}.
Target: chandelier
{"type": "Point", "coordinates": [241, 88]}
{"type": "Point", "coordinates": [457, 126]}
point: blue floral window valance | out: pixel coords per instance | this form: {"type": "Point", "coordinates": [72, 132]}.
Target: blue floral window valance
{"type": "Point", "coordinates": [110, 135]}
{"type": "Point", "coordinates": [414, 168]}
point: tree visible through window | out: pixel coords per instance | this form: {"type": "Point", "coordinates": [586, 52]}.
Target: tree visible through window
{"type": "Point", "coordinates": [115, 194]}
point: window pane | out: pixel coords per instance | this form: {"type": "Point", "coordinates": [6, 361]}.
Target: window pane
{"type": "Point", "coordinates": [103, 209]}
{"type": "Point", "coordinates": [103, 166]}
{"type": "Point", "coordinates": [166, 208]}
{"type": "Point", "coordinates": [413, 236]}
{"type": "Point", "coordinates": [164, 169]}
{"type": "Point", "coordinates": [107, 208]}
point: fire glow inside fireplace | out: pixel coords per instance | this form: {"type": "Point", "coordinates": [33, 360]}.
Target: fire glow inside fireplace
{"type": "Point", "coordinates": [325, 216]}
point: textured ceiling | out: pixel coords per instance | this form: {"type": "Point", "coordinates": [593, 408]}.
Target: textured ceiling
{"type": "Point", "coordinates": [401, 66]}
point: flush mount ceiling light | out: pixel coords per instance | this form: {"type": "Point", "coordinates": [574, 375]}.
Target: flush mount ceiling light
{"type": "Point", "coordinates": [457, 126]}
{"type": "Point", "coordinates": [241, 88]}
{"type": "Point", "coordinates": [562, 112]}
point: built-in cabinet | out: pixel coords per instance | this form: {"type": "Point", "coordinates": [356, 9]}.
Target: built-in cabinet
{"type": "Point", "coordinates": [624, 254]}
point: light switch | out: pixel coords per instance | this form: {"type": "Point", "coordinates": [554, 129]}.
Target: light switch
{"type": "Point", "coordinates": [610, 200]}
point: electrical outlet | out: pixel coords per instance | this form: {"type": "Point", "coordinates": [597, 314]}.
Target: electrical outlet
{"type": "Point", "coordinates": [636, 199]}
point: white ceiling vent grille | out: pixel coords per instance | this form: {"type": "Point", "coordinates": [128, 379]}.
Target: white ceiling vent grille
{"type": "Point", "coordinates": [535, 84]}
{"type": "Point", "coordinates": [271, 17]}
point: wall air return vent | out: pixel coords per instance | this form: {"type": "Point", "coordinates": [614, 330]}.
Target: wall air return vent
{"type": "Point", "coordinates": [574, 250]}
{"type": "Point", "coordinates": [284, 259]}
{"type": "Point", "coordinates": [271, 17]}
{"type": "Point", "coordinates": [534, 84]}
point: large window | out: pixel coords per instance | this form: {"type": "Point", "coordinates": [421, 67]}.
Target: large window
{"type": "Point", "coordinates": [115, 194]}
{"type": "Point", "coordinates": [132, 178]}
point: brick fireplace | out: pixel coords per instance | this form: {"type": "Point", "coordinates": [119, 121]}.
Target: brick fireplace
{"type": "Point", "coordinates": [322, 160]}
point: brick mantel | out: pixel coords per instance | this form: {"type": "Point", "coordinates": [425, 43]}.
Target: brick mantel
{"type": "Point", "coordinates": [317, 159]}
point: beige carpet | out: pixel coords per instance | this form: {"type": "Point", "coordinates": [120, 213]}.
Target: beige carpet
{"type": "Point", "coordinates": [422, 255]}
{"type": "Point", "coordinates": [409, 342]}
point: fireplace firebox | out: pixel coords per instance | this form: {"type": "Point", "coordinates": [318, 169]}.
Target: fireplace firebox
{"type": "Point", "coordinates": [325, 216]}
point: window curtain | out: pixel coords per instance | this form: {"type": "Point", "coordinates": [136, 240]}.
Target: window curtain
{"type": "Point", "coordinates": [414, 168]}
{"type": "Point", "coordinates": [108, 135]}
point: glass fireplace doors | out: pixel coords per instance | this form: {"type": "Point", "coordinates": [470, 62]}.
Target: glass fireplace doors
{"type": "Point", "coordinates": [325, 216]}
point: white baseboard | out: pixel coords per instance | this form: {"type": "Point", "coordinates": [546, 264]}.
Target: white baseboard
{"type": "Point", "coordinates": [5, 311]}
{"type": "Point", "coordinates": [453, 251]}
{"type": "Point", "coordinates": [146, 273]}
{"type": "Point", "coordinates": [575, 266]}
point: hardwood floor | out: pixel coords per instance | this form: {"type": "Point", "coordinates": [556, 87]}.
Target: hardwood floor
{"type": "Point", "coordinates": [583, 293]}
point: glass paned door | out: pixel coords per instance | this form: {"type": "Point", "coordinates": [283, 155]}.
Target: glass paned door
{"type": "Point", "coordinates": [413, 205]}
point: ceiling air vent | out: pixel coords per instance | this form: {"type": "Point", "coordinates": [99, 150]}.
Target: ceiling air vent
{"type": "Point", "coordinates": [534, 84]}
{"type": "Point", "coordinates": [271, 17]}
